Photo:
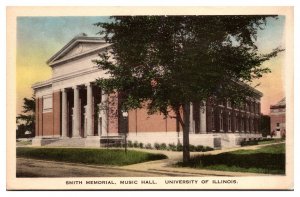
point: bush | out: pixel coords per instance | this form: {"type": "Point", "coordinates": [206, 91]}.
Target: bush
{"type": "Point", "coordinates": [135, 144]}
{"type": "Point", "coordinates": [163, 146]}
{"type": "Point", "coordinates": [129, 144]}
{"type": "Point", "coordinates": [199, 148]}
{"type": "Point", "coordinates": [141, 145]}
{"type": "Point", "coordinates": [207, 148]}
{"type": "Point", "coordinates": [249, 143]}
{"type": "Point", "coordinates": [192, 148]}
{"type": "Point", "coordinates": [148, 146]}
{"type": "Point", "coordinates": [172, 147]}
{"type": "Point", "coordinates": [156, 146]}
{"type": "Point", "coordinates": [179, 147]}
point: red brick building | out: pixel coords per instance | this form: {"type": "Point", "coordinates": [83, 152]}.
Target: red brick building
{"type": "Point", "coordinates": [72, 111]}
{"type": "Point", "coordinates": [277, 116]}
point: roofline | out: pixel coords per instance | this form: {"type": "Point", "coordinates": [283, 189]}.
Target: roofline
{"type": "Point", "coordinates": [73, 41]}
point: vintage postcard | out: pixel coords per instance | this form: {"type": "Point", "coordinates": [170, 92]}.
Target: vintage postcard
{"type": "Point", "coordinates": [150, 98]}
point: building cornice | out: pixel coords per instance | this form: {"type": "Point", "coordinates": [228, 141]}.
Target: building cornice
{"type": "Point", "coordinates": [65, 77]}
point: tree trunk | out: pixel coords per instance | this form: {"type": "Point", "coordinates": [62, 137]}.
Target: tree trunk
{"type": "Point", "coordinates": [186, 130]}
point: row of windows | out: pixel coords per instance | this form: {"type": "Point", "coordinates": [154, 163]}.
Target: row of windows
{"type": "Point", "coordinates": [241, 124]}
{"type": "Point", "coordinates": [246, 106]}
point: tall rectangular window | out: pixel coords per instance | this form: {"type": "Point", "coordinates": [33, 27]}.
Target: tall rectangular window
{"type": "Point", "coordinates": [47, 103]}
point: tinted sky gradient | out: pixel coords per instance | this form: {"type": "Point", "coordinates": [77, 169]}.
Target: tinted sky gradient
{"type": "Point", "coordinates": [38, 38]}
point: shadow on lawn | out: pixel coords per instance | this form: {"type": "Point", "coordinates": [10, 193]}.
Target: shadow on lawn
{"type": "Point", "coordinates": [273, 163]}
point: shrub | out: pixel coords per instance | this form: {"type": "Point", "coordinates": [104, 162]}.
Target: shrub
{"type": "Point", "coordinates": [135, 144]}
{"type": "Point", "coordinates": [172, 147]}
{"type": "Point", "coordinates": [199, 148]}
{"type": "Point", "coordinates": [156, 146]}
{"type": "Point", "coordinates": [141, 145]}
{"type": "Point", "coordinates": [192, 148]}
{"type": "Point", "coordinates": [207, 148]}
{"type": "Point", "coordinates": [148, 146]}
{"type": "Point", "coordinates": [163, 146]}
{"type": "Point", "coordinates": [179, 147]}
{"type": "Point", "coordinates": [129, 144]}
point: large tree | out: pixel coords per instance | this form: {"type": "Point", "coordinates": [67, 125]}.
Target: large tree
{"type": "Point", "coordinates": [166, 62]}
{"type": "Point", "coordinates": [26, 120]}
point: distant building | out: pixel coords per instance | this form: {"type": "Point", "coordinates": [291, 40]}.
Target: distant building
{"type": "Point", "coordinates": [277, 114]}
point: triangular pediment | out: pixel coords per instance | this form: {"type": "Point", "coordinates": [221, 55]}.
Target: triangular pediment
{"type": "Point", "coordinates": [77, 47]}
{"type": "Point", "coordinates": [80, 48]}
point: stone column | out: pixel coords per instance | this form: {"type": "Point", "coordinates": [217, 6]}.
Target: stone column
{"type": "Point", "coordinates": [76, 117]}
{"type": "Point", "coordinates": [203, 119]}
{"type": "Point", "coordinates": [192, 130]}
{"type": "Point", "coordinates": [89, 110]}
{"type": "Point", "coordinates": [104, 113]}
{"type": "Point", "coordinates": [64, 114]}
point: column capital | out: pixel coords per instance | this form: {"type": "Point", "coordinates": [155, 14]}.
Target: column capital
{"type": "Point", "coordinates": [88, 84]}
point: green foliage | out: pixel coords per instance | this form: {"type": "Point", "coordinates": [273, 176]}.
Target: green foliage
{"type": "Point", "coordinates": [249, 142]}
{"type": "Point", "coordinates": [165, 62]}
{"type": "Point", "coordinates": [179, 147]}
{"type": "Point", "coordinates": [192, 148]}
{"type": "Point", "coordinates": [141, 145]}
{"type": "Point", "coordinates": [135, 144]}
{"type": "Point", "coordinates": [156, 146]}
{"type": "Point", "coordinates": [265, 125]}
{"type": "Point", "coordinates": [270, 141]}
{"type": "Point", "coordinates": [269, 159]}
{"type": "Point", "coordinates": [172, 147]}
{"type": "Point", "coordinates": [26, 120]}
{"type": "Point", "coordinates": [89, 156]}
{"type": "Point", "coordinates": [163, 146]}
{"type": "Point", "coordinates": [168, 61]}
{"type": "Point", "coordinates": [148, 146]}
{"type": "Point", "coordinates": [199, 148]}
{"type": "Point", "coordinates": [129, 144]}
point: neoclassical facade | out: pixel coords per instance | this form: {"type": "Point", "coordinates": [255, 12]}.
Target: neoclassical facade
{"type": "Point", "coordinates": [72, 111]}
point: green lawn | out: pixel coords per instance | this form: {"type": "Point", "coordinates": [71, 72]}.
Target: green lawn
{"type": "Point", "coordinates": [271, 141]}
{"type": "Point", "coordinates": [89, 156]}
{"type": "Point", "coordinates": [269, 159]}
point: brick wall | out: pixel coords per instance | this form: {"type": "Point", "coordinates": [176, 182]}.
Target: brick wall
{"type": "Point", "coordinates": [140, 121]}
{"type": "Point", "coordinates": [56, 113]}
{"type": "Point", "coordinates": [47, 124]}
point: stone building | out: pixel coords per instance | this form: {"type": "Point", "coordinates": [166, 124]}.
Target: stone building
{"type": "Point", "coordinates": [72, 111]}
{"type": "Point", "coordinates": [277, 116]}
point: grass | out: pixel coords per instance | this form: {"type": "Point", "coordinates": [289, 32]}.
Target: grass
{"type": "Point", "coordinates": [269, 160]}
{"type": "Point", "coordinates": [271, 141]}
{"type": "Point", "coordinates": [115, 157]}
{"type": "Point", "coordinates": [24, 143]}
